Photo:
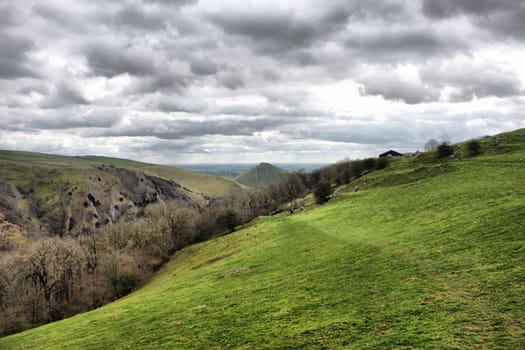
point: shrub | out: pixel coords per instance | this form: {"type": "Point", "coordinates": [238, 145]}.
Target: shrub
{"type": "Point", "coordinates": [124, 283]}
{"type": "Point", "coordinates": [229, 220]}
{"type": "Point", "coordinates": [382, 163]}
{"type": "Point", "coordinates": [473, 148]}
{"type": "Point", "coordinates": [444, 150]}
{"type": "Point", "coordinates": [322, 192]}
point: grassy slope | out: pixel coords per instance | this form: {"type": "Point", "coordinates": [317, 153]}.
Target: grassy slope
{"type": "Point", "coordinates": [18, 162]}
{"type": "Point", "coordinates": [262, 175]}
{"type": "Point", "coordinates": [425, 256]}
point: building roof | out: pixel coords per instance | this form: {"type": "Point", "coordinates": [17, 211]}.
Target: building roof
{"type": "Point", "coordinates": [390, 153]}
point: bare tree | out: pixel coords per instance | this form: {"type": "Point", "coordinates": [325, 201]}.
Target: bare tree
{"type": "Point", "coordinates": [179, 226]}
{"type": "Point", "coordinates": [431, 145]}
{"type": "Point", "coordinates": [48, 273]}
{"type": "Point", "coordinates": [293, 188]}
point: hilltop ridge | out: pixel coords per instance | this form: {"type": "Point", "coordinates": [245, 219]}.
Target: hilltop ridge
{"type": "Point", "coordinates": [262, 175]}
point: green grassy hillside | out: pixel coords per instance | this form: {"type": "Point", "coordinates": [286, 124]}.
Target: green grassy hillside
{"type": "Point", "coordinates": [428, 254]}
{"type": "Point", "coordinates": [262, 175]}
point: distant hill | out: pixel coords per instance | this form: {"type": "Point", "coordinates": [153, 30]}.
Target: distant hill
{"type": "Point", "coordinates": [48, 194]}
{"type": "Point", "coordinates": [236, 169]}
{"type": "Point", "coordinates": [262, 175]}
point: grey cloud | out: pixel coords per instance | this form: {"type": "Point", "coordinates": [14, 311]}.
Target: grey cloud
{"type": "Point", "coordinates": [449, 8]}
{"type": "Point", "coordinates": [8, 15]}
{"type": "Point", "coordinates": [14, 62]}
{"type": "Point", "coordinates": [508, 24]}
{"type": "Point", "coordinates": [174, 3]}
{"type": "Point", "coordinates": [72, 122]}
{"type": "Point", "coordinates": [273, 31]}
{"type": "Point", "coordinates": [502, 17]}
{"type": "Point", "coordinates": [369, 133]}
{"type": "Point", "coordinates": [405, 43]}
{"type": "Point", "coordinates": [170, 129]}
{"type": "Point", "coordinates": [231, 80]}
{"type": "Point", "coordinates": [11, 122]}
{"type": "Point", "coordinates": [203, 67]}
{"type": "Point", "coordinates": [269, 75]}
{"type": "Point", "coordinates": [60, 120]}
{"type": "Point", "coordinates": [386, 10]}
{"type": "Point", "coordinates": [291, 115]}
{"type": "Point", "coordinates": [396, 87]}
{"type": "Point", "coordinates": [63, 94]}
{"type": "Point", "coordinates": [169, 104]}
{"type": "Point", "coordinates": [64, 17]}
{"type": "Point", "coordinates": [237, 110]}
{"type": "Point", "coordinates": [290, 98]}
{"type": "Point", "coordinates": [281, 29]}
{"type": "Point", "coordinates": [162, 81]}
{"type": "Point", "coordinates": [164, 146]}
{"type": "Point", "coordinates": [39, 88]}
{"type": "Point", "coordinates": [463, 78]}
{"type": "Point", "coordinates": [131, 15]}
{"type": "Point", "coordinates": [304, 58]}
{"type": "Point", "coordinates": [110, 61]}
{"type": "Point", "coordinates": [473, 80]}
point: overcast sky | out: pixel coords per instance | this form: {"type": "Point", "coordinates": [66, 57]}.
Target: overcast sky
{"type": "Point", "coordinates": [189, 81]}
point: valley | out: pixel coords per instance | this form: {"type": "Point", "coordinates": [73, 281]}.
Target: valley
{"type": "Point", "coordinates": [428, 253]}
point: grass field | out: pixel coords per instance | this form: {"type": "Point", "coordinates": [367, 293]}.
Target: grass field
{"type": "Point", "coordinates": [428, 255]}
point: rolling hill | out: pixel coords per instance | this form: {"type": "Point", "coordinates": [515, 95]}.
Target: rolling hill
{"type": "Point", "coordinates": [428, 254]}
{"type": "Point", "coordinates": [42, 193]}
{"type": "Point", "coordinates": [262, 175]}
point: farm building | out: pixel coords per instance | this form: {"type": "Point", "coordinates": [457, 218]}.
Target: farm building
{"type": "Point", "coordinates": [390, 154]}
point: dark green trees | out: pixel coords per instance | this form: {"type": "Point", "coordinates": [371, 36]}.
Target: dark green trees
{"type": "Point", "coordinates": [229, 220]}
{"type": "Point", "coordinates": [322, 192]}
{"type": "Point", "coordinates": [473, 148]}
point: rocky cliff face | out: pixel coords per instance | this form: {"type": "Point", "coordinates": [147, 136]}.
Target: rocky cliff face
{"type": "Point", "coordinates": [38, 199]}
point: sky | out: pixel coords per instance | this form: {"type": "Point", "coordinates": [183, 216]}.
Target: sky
{"type": "Point", "coordinates": [233, 81]}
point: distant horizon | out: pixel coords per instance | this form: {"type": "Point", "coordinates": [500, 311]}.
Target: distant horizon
{"type": "Point", "coordinates": [255, 163]}
{"type": "Point", "coordinates": [66, 153]}
{"type": "Point", "coordinates": [167, 164]}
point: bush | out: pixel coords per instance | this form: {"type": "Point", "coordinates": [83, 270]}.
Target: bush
{"type": "Point", "coordinates": [124, 283]}
{"type": "Point", "coordinates": [444, 150]}
{"type": "Point", "coordinates": [473, 148]}
{"type": "Point", "coordinates": [382, 163]}
{"type": "Point", "coordinates": [229, 220]}
{"type": "Point", "coordinates": [322, 192]}
{"type": "Point", "coordinates": [369, 164]}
